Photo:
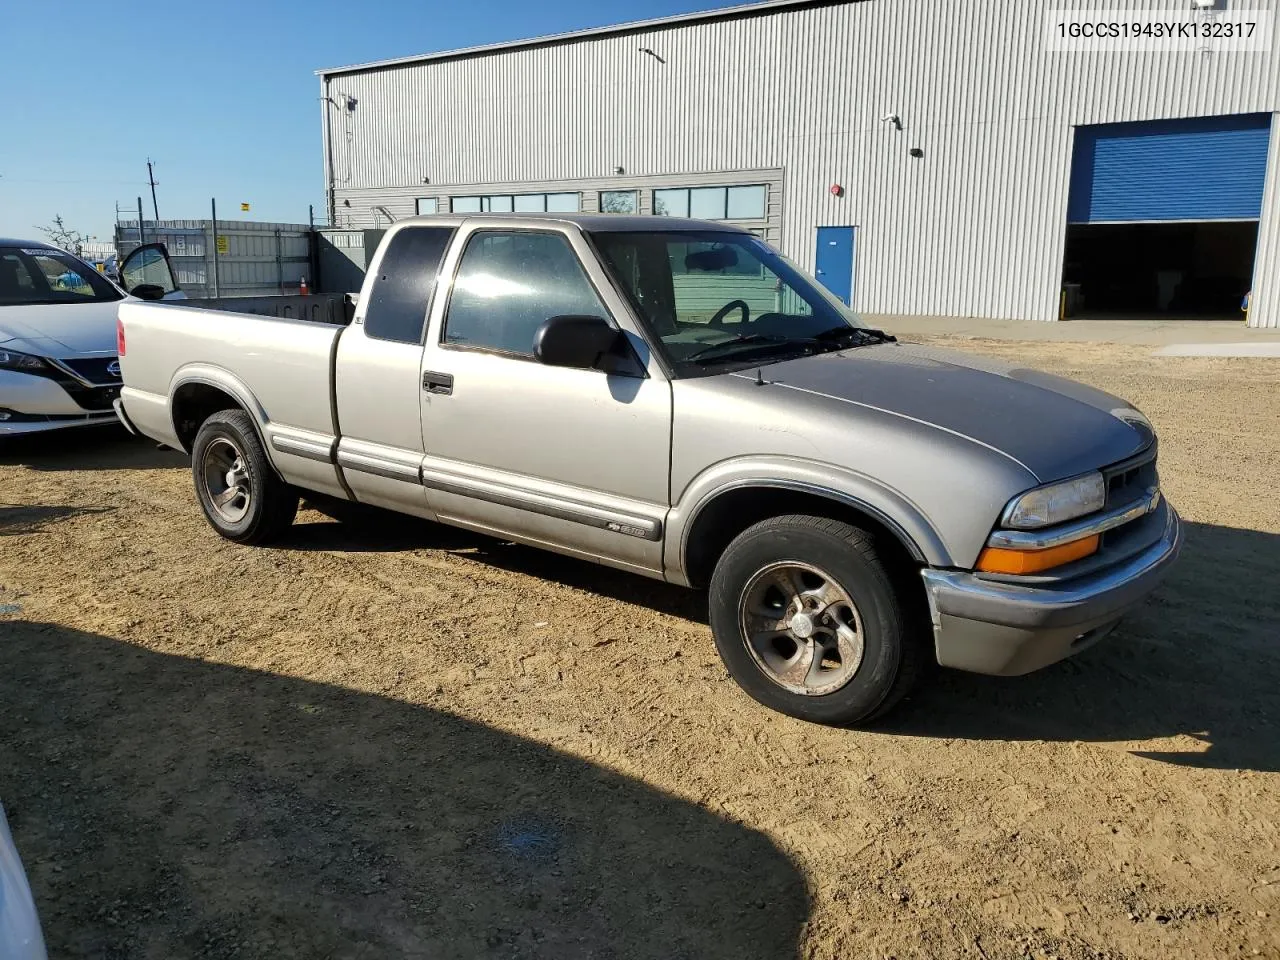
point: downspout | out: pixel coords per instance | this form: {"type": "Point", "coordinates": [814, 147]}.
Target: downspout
{"type": "Point", "coordinates": [330, 200]}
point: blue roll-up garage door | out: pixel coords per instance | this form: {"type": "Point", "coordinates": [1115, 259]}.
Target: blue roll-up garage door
{"type": "Point", "coordinates": [1205, 168]}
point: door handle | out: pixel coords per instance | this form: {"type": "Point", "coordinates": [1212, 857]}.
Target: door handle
{"type": "Point", "coordinates": [433, 382]}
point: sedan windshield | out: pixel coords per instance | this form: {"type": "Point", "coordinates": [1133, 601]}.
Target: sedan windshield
{"type": "Point", "coordinates": [715, 298]}
{"type": "Point", "coordinates": [32, 275]}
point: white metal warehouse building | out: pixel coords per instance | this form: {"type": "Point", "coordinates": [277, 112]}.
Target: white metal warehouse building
{"type": "Point", "coordinates": [924, 157]}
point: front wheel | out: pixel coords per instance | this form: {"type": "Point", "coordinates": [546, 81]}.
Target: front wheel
{"type": "Point", "coordinates": [240, 493]}
{"type": "Point", "coordinates": [809, 623]}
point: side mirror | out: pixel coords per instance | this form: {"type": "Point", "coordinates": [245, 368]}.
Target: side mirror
{"type": "Point", "coordinates": [148, 291]}
{"type": "Point", "coordinates": [584, 343]}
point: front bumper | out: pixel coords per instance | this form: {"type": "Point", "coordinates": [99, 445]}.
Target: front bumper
{"type": "Point", "coordinates": [1006, 629]}
{"type": "Point", "coordinates": [35, 404]}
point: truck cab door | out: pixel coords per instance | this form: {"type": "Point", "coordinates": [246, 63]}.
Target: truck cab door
{"type": "Point", "coordinates": [573, 459]}
{"type": "Point", "coordinates": [377, 372]}
{"type": "Point", "coordinates": [147, 273]}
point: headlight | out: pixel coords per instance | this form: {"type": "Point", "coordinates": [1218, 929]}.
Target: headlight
{"type": "Point", "coordinates": [12, 360]}
{"type": "Point", "coordinates": [1045, 506]}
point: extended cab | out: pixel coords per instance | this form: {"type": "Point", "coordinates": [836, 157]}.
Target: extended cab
{"type": "Point", "coordinates": [676, 399]}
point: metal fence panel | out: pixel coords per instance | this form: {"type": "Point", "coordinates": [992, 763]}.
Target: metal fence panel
{"type": "Point", "coordinates": [253, 259]}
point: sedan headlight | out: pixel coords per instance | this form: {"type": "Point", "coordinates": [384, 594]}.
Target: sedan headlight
{"type": "Point", "coordinates": [1056, 503]}
{"type": "Point", "coordinates": [23, 362]}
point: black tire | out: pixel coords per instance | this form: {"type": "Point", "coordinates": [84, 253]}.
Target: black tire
{"type": "Point", "coordinates": [894, 651]}
{"type": "Point", "coordinates": [263, 506]}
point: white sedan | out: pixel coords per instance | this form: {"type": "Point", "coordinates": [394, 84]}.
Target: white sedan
{"type": "Point", "coordinates": [58, 359]}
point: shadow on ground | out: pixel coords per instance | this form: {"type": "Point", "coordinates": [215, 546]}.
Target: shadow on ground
{"type": "Point", "coordinates": [171, 807]}
{"type": "Point", "coordinates": [87, 448]}
{"type": "Point", "coordinates": [363, 529]}
{"type": "Point", "coordinates": [1201, 658]}
{"type": "Point", "coordinates": [16, 518]}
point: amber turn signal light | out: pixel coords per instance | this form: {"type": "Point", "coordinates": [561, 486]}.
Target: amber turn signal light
{"type": "Point", "coordinates": [1004, 560]}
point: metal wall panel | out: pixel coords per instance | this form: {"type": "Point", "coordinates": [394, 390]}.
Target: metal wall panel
{"type": "Point", "coordinates": [975, 226]}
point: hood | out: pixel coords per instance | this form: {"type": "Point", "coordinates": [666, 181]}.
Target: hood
{"type": "Point", "coordinates": [1052, 426]}
{"type": "Point", "coordinates": [60, 329]}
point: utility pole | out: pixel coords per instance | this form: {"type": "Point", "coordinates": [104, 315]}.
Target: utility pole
{"type": "Point", "coordinates": [151, 178]}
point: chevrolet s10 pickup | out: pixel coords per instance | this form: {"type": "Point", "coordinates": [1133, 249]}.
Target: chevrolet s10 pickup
{"type": "Point", "coordinates": [677, 399]}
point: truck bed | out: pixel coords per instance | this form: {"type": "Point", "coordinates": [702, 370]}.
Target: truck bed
{"type": "Point", "coordinates": [334, 308]}
{"type": "Point", "coordinates": [278, 368]}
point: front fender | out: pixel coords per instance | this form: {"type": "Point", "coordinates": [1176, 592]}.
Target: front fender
{"type": "Point", "coordinates": [905, 518]}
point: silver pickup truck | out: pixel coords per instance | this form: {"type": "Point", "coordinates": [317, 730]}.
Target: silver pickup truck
{"type": "Point", "coordinates": [676, 399]}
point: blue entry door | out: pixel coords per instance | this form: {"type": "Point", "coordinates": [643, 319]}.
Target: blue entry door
{"type": "Point", "coordinates": [835, 261]}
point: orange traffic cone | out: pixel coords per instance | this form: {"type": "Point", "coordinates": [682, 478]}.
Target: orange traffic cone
{"type": "Point", "coordinates": [302, 287]}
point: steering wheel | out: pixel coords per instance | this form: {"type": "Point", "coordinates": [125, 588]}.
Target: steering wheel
{"type": "Point", "coordinates": [718, 319]}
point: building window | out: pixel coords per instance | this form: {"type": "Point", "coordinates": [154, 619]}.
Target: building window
{"type": "Point", "coordinates": [562, 203]}
{"type": "Point", "coordinates": [746, 203]}
{"type": "Point", "coordinates": [671, 203]}
{"type": "Point", "coordinates": [619, 201]}
{"type": "Point", "coordinates": [427, 205]}
{"type": "Point", "coordinates": [519, 203]}
{"type": "Point", "coordinates": [509, 283]}
{"type": "Point", "coordinates": [713, 203]}
{"type": "Point", "coordinates": [707, 203]}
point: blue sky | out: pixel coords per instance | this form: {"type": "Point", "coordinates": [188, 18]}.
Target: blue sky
{"type": "Point", "coordinates": [221, 95]}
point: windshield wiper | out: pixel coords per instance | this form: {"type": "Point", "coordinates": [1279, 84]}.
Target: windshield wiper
{"type": "Point", "coordinates": [859, 336]}
{"type": "Point", "coordinates": [704, 355]}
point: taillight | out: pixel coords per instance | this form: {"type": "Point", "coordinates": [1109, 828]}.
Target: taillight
{"type": "Point", "coordinates": [119, 337]}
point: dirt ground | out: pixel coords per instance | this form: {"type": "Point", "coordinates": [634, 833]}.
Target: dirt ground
{"type": "Point", "coordinates": [386, 738]}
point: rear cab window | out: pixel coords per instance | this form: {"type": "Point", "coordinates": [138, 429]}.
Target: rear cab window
{"type": "Point", "coordinates": [406, 280]}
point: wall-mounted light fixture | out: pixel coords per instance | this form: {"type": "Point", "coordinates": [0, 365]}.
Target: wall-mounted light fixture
{"type": "Point", "coordinates": [426, 179]}
{"type": "Point", "coordinates": [648, 52]}
{"type": "Point", "coordinates": [836, 190]}
{"type": "Point", "coordinates": [619, 170]}
{"type": "Point", "coordinates": [892, 118]}
{"type": "Point", "coordinates": [916, 152]}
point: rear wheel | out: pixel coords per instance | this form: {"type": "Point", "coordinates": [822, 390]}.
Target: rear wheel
{"type": "Point", "coordinates": [241, 495]}
{"type": "Point", "coordinates": [808, 621]}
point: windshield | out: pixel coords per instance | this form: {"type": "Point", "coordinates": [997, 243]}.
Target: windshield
{"type": "Point", "coordinates": [715, 298]}
{"type": "Point", "coordinates": [30, 275]}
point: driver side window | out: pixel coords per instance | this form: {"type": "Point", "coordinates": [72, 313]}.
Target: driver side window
{"type": "Point", "coordinates": [509, 283]}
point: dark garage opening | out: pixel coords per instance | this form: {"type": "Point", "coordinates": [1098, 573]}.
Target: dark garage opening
{"type": "Point", "coordinates": [1198, 271]}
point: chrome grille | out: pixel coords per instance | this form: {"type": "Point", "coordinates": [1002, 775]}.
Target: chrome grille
{"type": "Point", "coordinates": [1131, 479]}
{"type": "Point", "coordinates": [1128, 481]}
{"type": "Point", "coordinates": [94, 369]}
